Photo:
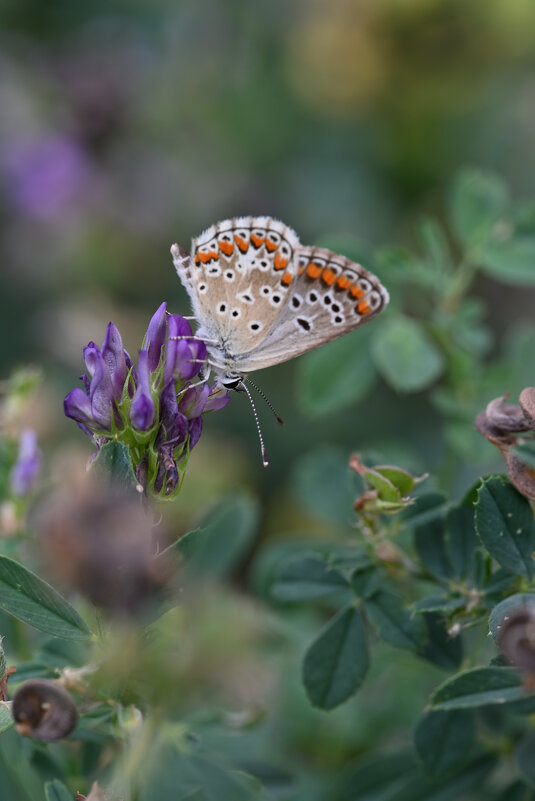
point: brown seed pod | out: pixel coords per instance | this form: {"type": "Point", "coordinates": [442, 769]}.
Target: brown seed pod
{"type": "Point", "coordinates": [43, 710]}
{"type": "Point", "coordinates": [517, 637]}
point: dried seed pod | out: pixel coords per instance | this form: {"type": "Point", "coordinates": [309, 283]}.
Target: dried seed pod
{"type": "Point", "coordinates": [527, 403]}
{"type": "Point", "coordinates": [506, 416]}
{"type": "Point", "coordinates": [43, 710]}
{"type": "Point", "coordinates": [521, 475]}
{"type": "Point", "coordinates": [517, 637]}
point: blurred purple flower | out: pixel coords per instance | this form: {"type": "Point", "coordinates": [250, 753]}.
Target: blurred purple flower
{"type": "Point", "coordinates": [115, 358]}
{"type": "Point", "coordinates": [143, 410]}
{"type": "Point", "coordinates": [26, 468]}
{"type": "Point", "coordinates": [155, 336]}
{"type": "Point", "coordinates": [44, 176]}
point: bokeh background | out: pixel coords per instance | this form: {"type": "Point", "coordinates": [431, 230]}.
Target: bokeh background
{"type": "Point", "coordinates": [125, 127]}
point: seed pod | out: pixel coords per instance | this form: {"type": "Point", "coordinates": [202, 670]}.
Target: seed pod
{"type": "Point", "coordinates": [517, 637]}
{"type": "Point", "coordinates": [44, 711]}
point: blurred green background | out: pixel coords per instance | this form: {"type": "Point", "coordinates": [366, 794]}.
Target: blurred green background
{"type": "Point", "coordinates": [127, 126]}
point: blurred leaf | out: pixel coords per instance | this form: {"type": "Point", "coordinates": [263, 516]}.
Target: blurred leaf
{"type": "Point", "coordinates": [478, 201]}
{"type": "Point", "coordinates": [6, 718]}
{"type": "Point", "coordinates": [440, 648]}
{"type": "Point", "coordinates": [335, 376]}
{"type": "Point", "coordinates": [453, 789]}
{"type": "Point", "coordinates": [27, 597]}
{"type": "Point", "coordinates": [478, 687]}
{"type": "Point", "coordinates": [307, 578]}
{"type": "Point", "coordinates": [336, 663]}
{"type": "Point", "coordinates": [430, 544]}
{"type": "Point", "coordinates": [505, 524]}
{"type": "Point", "coordinates": [425, 508]}
{"type": "Point", "coordinates": [366, 581]}
{"type": "Point", "coordinates": [462, 540]}
{"type": "Point", "coordinates": [112, 463]}
{"type": "Point", "coordinates": [378, 779]}
{"type": "Point", "coordinates": [33, 670]}
{"type": "Point", "coordinates": [511, 261]}
{"type": "Point", "coordinates": [440, 603]}
{"type": "Point", "coordinates": [443, 741]}
{"type": "Point", "coordinates": [524, 759]}
{"type": "Point", "coordinates": [394, 623]}
{"type": "Point", "coordinates": [56, 791]}
{"type": "Point", "coordinates": [517, 791]}
{"type": "Point", "coordinates": [325, 485]}
{"type": "Point", "coordinates": [406, 357]}
{"type": "Point", "coordinates": [505, 608]}
{"type": "Point", "coordinates": [225, 538]}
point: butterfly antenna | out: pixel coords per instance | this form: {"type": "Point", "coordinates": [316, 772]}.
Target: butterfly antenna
{"type": "Point", "coordinates": [280, 421]}
{"type": "Point", "coordinates": [257, 421]}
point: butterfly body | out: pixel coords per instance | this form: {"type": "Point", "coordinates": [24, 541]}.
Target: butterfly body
{"type": "Point", "coordinates": [261, 298]}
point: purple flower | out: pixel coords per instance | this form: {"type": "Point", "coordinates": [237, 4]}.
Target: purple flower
{"type": "Point", "coordinates": [44, 176]}
{"type": "Point", "coordinates": [153, 408]}
{"type": "Point", "coordinates": [114, 356]}
{"type": "Point", "coordinates": [26, 468]}
{"type": "Point", "coordinates": [143, 410]}
{"type": "Point", "coordinates": [155, 336]}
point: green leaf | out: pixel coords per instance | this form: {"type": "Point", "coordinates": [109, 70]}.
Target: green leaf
{"type": "Point", "coordinates": [453, 789]}
{"type": "Point", "coordinates": [517, 791]}
{"type": "Point", "coordinates": [440, 648]}
{"type": "Point", "coordinates": [443, 741]}
{"type": "Point", "coordinates": [113, 463]}
{"type": "Point", "coordinates": [325, 486]}
{"type": "Point", "coordinates": [501, 612]}
{"type": "Point", "coordinates": [377, 779]}
{"type": "Point", "coordinates": [56, 791]}
{"type": "Point", "coordinates": [479, 687]}
{"type": "Point", "coordinates": [511, 261]}
{"type": "Point", "coordinates": [505, 524]}
{"type": "Point", "coordinates": [462, 540]}
{"type": "Point", "coordinates": [336, 376]}
{"type": "Point", "coordinates": [444, 603]}
{"type": "Point", "coordinates": [395, 624]}
{"type": "Point", "coordinates": [430, 544]}
{"type": "Point", "coordinates": [366, 580]}
{"type": "Point", "coordinates": [524, 759]}
{"type": "Point", "coordinates": [336, 663]}
{"type": "Point", "coordinates": [405, 356]}
{"type": "Point", "coordinates": [219, 546]}
{"type": "Point", "coordinates": [27, 597]}
{"type": "Point", "coordinates": [307, 578]}
{"type": "Point", "coordinates": [478, 201]}
{"type": "Point", "coordinates": [426, 508]}
{"type": "Point", "coordinates": [6, 718]}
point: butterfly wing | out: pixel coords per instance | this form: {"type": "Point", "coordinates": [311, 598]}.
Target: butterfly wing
{"type": "Point", "coordinates": [329, 295]}
{"type": "Point", "coordinates": [238, 279]}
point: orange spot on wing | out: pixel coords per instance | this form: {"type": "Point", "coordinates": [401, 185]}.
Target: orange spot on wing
{"type": "Point", "coordinates": [271, 246]}
{"type": "Point", "coordinates": [328, 277]}
{"type": "Point", "coordinates": [287, 278]}
{"type": "Point", "coordinates": [242, 243]}
{"type": "Point", "coordinates": [363, 307]}
{"type": "Point", "coordinates": [257, 240]}
{"type": "Point", "coordinates": [313, 271]}
{"type": "Point", "coordinates": [356, 291]}
{"type": "Point", "coordinates": [300, 271]}
{"type": "Point", "coordinates": [204, 257]}
{"type": "Point", "coordinates": [198, 258]}
{"type": "Point", "coordinates": [226, 247]}
{"type": "Point", "coordinates": [343, 282]}
{"type": "Point", "coordinates": [279, 262]}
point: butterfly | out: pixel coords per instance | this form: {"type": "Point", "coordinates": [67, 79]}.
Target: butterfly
{"type": "Point", "coordinates": [261, 298]}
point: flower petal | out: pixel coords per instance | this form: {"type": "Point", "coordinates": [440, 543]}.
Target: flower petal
{"type": "Point", "coordinates": [155, 336]}
{"type": "Point", "coordinates": [143, 410]}
{"type": "Point", "coordinates": [114, 357]}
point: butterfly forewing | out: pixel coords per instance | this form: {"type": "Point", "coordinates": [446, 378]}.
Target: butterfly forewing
{"type": "Point", "coordinates": [264, 298]}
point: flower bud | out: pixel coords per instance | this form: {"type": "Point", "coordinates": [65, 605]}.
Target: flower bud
{"type": "Point", "coordinates": [44, 711]}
